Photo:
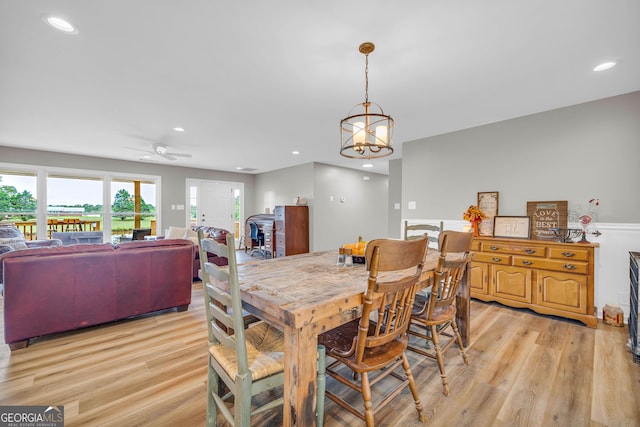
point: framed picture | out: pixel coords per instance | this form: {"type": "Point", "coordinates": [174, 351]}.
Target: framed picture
{"type": "Point", "coordinates": [515, 227]}
{"type": "Point", "coordinates": [545, 216]}
{"type": "Point", "coordinates": [488, 203]}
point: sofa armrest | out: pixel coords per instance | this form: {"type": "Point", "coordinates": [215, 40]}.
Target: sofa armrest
{"type": "Point", "coordinates": [4, 249]}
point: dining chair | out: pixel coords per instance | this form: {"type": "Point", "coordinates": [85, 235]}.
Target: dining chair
{"type": "Point", "coordinates": [140, 233]}
{"type": "Point", "coordinates": [411, 229]}
{"type": "Point", "coordinates": [458, 242]}
{"type": "Point", "coordinates": [433, 316]}
{"type": "Point", "coordinates": [373, 346]}
{"type": "Point", "coordinates": [247, 318]}
{"type": "Point", "coordinates": [248, 361]}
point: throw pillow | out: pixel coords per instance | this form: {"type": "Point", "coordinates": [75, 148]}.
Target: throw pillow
{"type": "Point", "coordinates": [191, 235]}
{"type": "Point", "coordinates": [175, 233]}
{"type": "Point", "coordinates": [11, 236]}
{"type": "Point", "coordinates": [13, 242]}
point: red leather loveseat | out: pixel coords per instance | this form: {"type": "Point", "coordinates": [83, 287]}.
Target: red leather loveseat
{"type": "Point", "coordinates": [63, 288]}
{"type": "Point", "coordinates": [218, 234]}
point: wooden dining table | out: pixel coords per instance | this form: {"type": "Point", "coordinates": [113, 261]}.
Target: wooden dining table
{"type": "Point", "coordinates": [306, 295]}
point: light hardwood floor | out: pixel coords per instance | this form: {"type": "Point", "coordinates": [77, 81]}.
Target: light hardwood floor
{"type": "Point", "coordinates": [525, 370]}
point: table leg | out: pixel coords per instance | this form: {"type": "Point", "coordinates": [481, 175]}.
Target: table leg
{"type": "Point", "coordinates": [300, 369]}
{"type": "Point", "coordinates": [463, 309]}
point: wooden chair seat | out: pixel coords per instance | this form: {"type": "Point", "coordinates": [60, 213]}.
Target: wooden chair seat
{"type": "Point", "coordinates": [340, 342]}
{"type": "Point", "coordinates": [265, 352]}
{"type": "Point", "coordinates": [439, 316]}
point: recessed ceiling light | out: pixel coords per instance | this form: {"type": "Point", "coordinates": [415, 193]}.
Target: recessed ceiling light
{"type": "Point", "coordinates": [178, 129]}
{"type": "Point", "coordinates": [295, 152]}
{"type": "Point", "coordinates": [61, 24]}
{"type": "Point", "coordinates": [367, 165]}
{"type": "Point", "coordinates": [605, 66]}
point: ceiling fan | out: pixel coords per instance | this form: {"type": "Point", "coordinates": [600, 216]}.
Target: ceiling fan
{"type": "Point", "coordinates": [162, 150]}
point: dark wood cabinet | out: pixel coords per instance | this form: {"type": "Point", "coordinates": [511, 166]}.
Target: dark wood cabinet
{"type": "Point", "coordinates": [292, 230]}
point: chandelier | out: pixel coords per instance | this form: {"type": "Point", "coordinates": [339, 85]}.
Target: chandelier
{"type": "Point", "coordinates": [366, 134]}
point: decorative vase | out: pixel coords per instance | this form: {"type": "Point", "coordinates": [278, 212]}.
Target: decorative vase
{"type": "Point", "coordinates": [474, 225]}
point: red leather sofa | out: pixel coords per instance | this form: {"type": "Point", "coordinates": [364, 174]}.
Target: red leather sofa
{"type": "Point", "coordinates": [63, 288]}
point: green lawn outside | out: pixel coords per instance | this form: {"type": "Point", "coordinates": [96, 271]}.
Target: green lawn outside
{"type": "Point", "coordinates": [118, 225]}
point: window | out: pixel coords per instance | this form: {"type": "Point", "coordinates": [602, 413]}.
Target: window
{"type": "Point", "coordinates": [75, 201]}
{"type": "Point", "coordinates": [129, 212]}
{"type": "Point", "coordinates": [18, 201]}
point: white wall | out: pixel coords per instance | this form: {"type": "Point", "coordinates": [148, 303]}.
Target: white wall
{"type": "Point", "coordinates": [342, 204]}
{"type": "Point", "coordinates": [347, 206]}
{"type": "Point", "coordinates": [574, 154]}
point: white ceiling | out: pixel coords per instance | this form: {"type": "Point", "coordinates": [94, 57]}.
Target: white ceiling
{"type": "Point", "coordinates": [251, 81]}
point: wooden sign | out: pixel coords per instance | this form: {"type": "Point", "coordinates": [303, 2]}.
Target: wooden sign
{"type": "Point", "coordinates": [488, 203]}
{"type": "Point", "coordinates": [545, 216]}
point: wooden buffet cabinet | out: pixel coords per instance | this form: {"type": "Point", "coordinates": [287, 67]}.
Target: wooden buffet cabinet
{"type": "Point", "coordinates": [544, 276]}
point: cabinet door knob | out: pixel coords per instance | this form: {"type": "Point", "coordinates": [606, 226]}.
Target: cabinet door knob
{"type": "Point", "coordinates": [526, 262]}
{"type": "Point", "coordinates": [530, 251]}
{"type": "Point", "coordinates": [570, 266]}
{"type": "Point", "coordinates": [568, 254]}
{"type": "Point", "coordinates": [496, 259]}
{"type": "Point", "coordinates": [493, 248]}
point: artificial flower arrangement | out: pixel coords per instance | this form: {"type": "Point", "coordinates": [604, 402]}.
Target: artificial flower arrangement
{"type": "Point", "coordinates": [474, 214]}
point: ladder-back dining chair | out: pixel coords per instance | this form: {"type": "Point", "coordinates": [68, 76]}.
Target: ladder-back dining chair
{"type": "Point", "coordinates": [458, 242]}
{"type": "Point", "coordinates": [415, 231]}
{"type": "Point", "coordinates": [247, 318]}
{"type": "Point", "coordinates": [248, 361]}
{"type": "Point", "coordinates": [373, 346]}
{"type": "Point", "coordinates": [434, 317]}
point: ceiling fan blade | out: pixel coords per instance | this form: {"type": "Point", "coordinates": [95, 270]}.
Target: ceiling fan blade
{"type": "Point", "coordinates": [168, 156]}
{"type": "Point", "coordinates": [179, 154]}
{"type": "Point", "coordinates": [141, 150]}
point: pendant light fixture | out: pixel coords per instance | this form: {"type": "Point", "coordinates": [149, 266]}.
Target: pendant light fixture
{"type": "Point", "coordinates": [366, 134]}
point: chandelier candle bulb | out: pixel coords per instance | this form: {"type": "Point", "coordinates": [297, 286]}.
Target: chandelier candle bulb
{"type": "Point", "coordinates": [358, 133]}
{"type": "Point", "coordinates": [381, 135]}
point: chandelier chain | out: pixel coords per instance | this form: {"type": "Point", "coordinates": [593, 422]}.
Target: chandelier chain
{"type": "Point", "coordinates": [366, 78]}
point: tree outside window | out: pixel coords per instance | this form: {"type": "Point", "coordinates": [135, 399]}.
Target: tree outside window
{"type": "Point", "coordinates": [16, 204]}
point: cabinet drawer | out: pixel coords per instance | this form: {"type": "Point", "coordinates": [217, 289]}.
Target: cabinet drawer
{"type": "Point", "coordinates": [548, 264]}
{"type": "Point", "coordinates": [492, 258]}
{"type": "Point", "coordinates": [537, 251]}
{"type": "Point", "coordinates": [569, 254]}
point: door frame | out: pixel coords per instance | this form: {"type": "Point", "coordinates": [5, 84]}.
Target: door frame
{"type": "Point", "coordinates": [197, 182]}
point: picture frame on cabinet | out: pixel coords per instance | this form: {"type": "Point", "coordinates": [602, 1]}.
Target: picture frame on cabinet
{"type": "Point", "coordinates": [488, 204]}
{"type": "Point", "coordinates": [514, 227]}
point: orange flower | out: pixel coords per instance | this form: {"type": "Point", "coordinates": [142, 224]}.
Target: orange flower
{"type": "Point", "coordinates": [474, 214]}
